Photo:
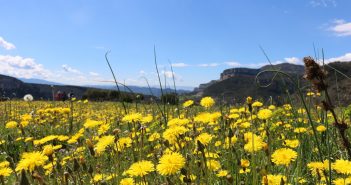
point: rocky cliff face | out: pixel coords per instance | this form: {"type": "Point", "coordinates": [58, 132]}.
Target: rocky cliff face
{"type": "Point", "coordinates": [237, 83]}
{"type": "Point", "coordinates": [233, 72]}
{"type": "Point", "coordinates": [248, 73]}
{"type": "Point", "coordinates": [199, 90]}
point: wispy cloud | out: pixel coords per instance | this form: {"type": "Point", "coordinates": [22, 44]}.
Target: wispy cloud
{"type": "Point", "coordinates": [293, 60]}
{"type": "Point", "coordinates": [180, 65]}
{"type": "Point", "coordinates": [233, 64]}
{"type": "Point", "coordinates": [142, 73]}
{"type": "Point", "coordinates": [169, 74]}
{"type": "Point", "coordinates": [323, 3]}
{"type": "Point", "coordinates": [70, 69]}
{"type": "Point", "coordinates": [341, 28]}
{"type": "Point", "coordinates": [209, 65]}
{"type": "Point", "coordinates": [94, 74]}
{"type": "Point", "coordinates": [7, 45]}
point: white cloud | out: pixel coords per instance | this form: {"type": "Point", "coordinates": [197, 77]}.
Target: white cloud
{"type": "Point", "coordinates": [341, 28]}
{"type": "Point", "coordinates": [233, 64]}
{"type": "Point", "coordinates": [142, 73]}
{"type": "Point", "coordinates": [180, 65]}
{"type": "Point", "coordinates": [209, 65]}
{"type": "Point", "coordinates": [344, 58]}
{"type": "Point", "coordinates": [70, 69]}
{"type": "Point", "coordinates": [323, 3]}
{"type": "Point", "coordinates": [94, 74]}
{"type": "Point", "coordinates": [168, 74]}
{"type": "Point", "coordinates": [6, 45]}
{"type": "Point", "coordinates": [20, 67]}
{"type": "Point", "coordinates": [293, 60]}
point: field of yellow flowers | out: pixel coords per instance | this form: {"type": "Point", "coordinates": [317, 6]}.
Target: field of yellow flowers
{"type": "Point", "coordinates": [81, 142]}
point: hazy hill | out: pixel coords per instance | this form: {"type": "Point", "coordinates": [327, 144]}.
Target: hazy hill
{"type": "Point", "coordinates": [38, 81]}
{"type": "Point", "coordinates": [144, 90]}
{"type": "Point", "coordinates": [41, 89]}
{"type": "Point", "coordinates": [14, 88]}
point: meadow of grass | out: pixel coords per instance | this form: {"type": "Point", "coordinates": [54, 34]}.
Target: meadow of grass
{"type": "Point", "coordinates": [82, 142]}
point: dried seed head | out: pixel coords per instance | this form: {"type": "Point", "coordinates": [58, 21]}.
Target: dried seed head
{"type": "Point", "coordinates": [229, 179]}
{"type": "Point", "coordinates": [314, 73]}
{"type": "Point", "coordinates": [116, 131]}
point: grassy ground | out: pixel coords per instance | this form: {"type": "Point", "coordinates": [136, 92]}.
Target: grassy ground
{"type": "Point", "coordinates": [81, 142]}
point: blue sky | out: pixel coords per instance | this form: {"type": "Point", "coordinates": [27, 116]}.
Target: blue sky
{"type": "Point", "coordinates": [65, 41]}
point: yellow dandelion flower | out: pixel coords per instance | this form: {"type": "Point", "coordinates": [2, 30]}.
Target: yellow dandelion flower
{"type": "Point", "coordinates": [316, 167]}
{"type": "Point", "coordinates": [257, 104]}
{"type": "Point", "coordinates": [233, 116]}
{"type": "Point", "coordinates": [274, 179]}
{"type": "Point", "coordinates": [342, 166]}
{"type": "Point", "coordinates": [127, 181]}
{"type": "Point", "coordinates": [207, 102]}
{"type": "Point", "coordinates": [244, 163]}
{"type": "Point", "coordinates": [103, 128]}
{"type": "Point", "coordinates": [188, 103]}
{"type": "Point", "coordinates": [172, 134]}
{"type": "Point", "coordinates": [321, 128]}
{"type": "Point", "coordinates": [254, 143]}
{"type": "Point", "coordinates": [5, 172]}
{"type": "Point", "coordinates": [147, 119]}
{"type": "Point", "coordinates": [92, 123]}
{"type": "Point", "coordinates": [213, 165]}
{"type": "Point", "coordinates": [178, 122]}
{"type": "Point", "coordinates": [97, 178]}
{"type": "Point", "coordinates": [222, 173]}
{"type": "Point", "coordinates": [141, 168]}
{"type": "Point", "coordinates": [204, 138]}
{"type": "Point", "coordinates": [153, 137]}
{"type": "Point", "coordinates": [132, 117]}
{"type": "Point", "coordinates": [170, 163]}
{"type": "Point", "coordinates": [124, 142]}
{"type": "Point", "coordinates": [11, 124]}
{"type": "Point", "coordinates": [264, 114]}
{"type": "Point", "coordinates": [4, 164]}
{"type": "Point", "coordinates": [291, 143]}
{"type": "Point", "coordinates": [103, 142]}
{"type": "Point", "coordinates": [342, 181]}
{"type": "Point", "coordinates": [284, 156]}
{"type": "Point", "coordinates": [30, 160]}
{"type": "Point", "coordinates": [44, 140]}
{"type": "Point", "coordinates": [48, 150]}
{"type": "Point", "coordinates": [300, 130]}
{"type": "Point", "coordinates": [271, 107]}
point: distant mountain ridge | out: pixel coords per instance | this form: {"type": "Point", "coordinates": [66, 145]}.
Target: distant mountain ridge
{"type": "Point", "coordinates": [38, 81]}
{"type": "Point", "coordinates": [155, 91]}
{"type": "Point", "coordinates": [143, 90]}
{"type": "Point", "coordinates": [13, 87]}
{"type": "Point", "coordinates": [235, 84]}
